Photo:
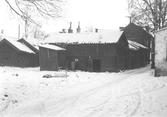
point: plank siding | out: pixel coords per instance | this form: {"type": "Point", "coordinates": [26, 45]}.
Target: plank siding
{"type": "Point", "coordinates": [10, 56]}
{"type": "Point", "coordinates": [110, 57]}
{"type": "Point", "coordinates": [48, 59]}
{"type": "Point", "coordinates": [86, 64]}
{"type": "Point", "coordinates": [91, 50]}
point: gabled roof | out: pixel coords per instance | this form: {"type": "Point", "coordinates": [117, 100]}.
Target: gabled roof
{"type": "Point", "coordinates": [17, 45]}
{"type": "Point", "coordinates": [31, 43]}
{"type": "Point", "coordinates": [52, 47]}
{"type": "Point", "coordinates": [136, 33]}
{"type": "Point", "coordinates": [103, 36]}
{"type": "Point", "coordinates": [135, 46]}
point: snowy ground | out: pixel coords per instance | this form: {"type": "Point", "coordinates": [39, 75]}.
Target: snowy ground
{"type": "Point", "coordinates": [134, 93]}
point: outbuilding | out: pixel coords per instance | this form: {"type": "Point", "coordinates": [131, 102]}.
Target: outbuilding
{"type": "Point", "coordinates": [14, 53]}
{"type": "Point", "coordinates": [141, 36]}
{"type": "Point", "coordinates": [101, 51]}
{"type": "Point", "coordinates": [51, 57]}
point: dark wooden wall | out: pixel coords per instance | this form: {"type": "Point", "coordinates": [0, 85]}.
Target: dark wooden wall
{"type": "Point", "coordinates": [61, 59]}
{"type": "Point", "coordinates": [91, 49]}
{"type": "Point", "coordinates": [138, 58]}
{"type": "Point", "coordinates": [138, 34]}
{"type": "Point", "coordinates": [11, 57]}
{"type": "Point", "coordinates": [109, 56]}
{"type": "Point", "coordinates": [51, 60]}
{"type": "Point", "coordinates": [108, 63]}
{"type": "Point", "coordinates": [112, 56]}
{"type": "Point", "coordinates": [48, 59]}
{"type": "Point", "coordinates": [87, 53]}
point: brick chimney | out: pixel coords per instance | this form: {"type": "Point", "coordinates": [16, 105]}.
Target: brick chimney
{"type": "Point", "coordinates": [121, 28]}
{"type": "Point", "coordinates": [79, 28]}
{"type": "Point", "coordinates": [70, 29]}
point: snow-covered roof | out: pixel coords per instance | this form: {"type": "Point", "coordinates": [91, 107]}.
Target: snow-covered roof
{"type": "Point", "coordinates": [52, 47]}
{"type": "Point", "coordinates": [19, 46]}
{"type": "Point", "coordinates": [135, 46]}
{"type": "Point", "coordinates": [132, 47]}
{"type": "Point", "coordinates": [103, 36]}
{"type": "Point", "coordinates": [34, 42]}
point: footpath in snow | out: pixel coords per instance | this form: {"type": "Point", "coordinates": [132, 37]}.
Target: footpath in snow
{"type": "Point", "coordinates": [133, 93]}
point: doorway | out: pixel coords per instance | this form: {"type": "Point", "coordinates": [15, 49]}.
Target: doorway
{"type": "Point", "coordinates": [96, 65]}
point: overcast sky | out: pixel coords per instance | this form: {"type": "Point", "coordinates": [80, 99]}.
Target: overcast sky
{"type": "Point", "coordinates": [102, 14]}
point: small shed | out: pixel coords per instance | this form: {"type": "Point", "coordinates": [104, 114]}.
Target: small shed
{"type": "Point", "coordinates": [161, 52]}
{"type": "Point", "coordinates": [14, 53]}
{"type": "Point", "coordinates": [51, 57]}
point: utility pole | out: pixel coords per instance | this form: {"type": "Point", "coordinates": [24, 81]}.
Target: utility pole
{"type": "Point", "coordinates": [19, 31]}
{"type": "Point", "coordinates": [26, 28]}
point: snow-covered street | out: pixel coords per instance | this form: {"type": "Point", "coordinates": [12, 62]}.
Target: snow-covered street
{"type": "Point", "coordinates": [133, 93]}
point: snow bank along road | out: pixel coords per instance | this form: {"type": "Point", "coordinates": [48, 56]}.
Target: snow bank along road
{"type": "Point", "coordinates": [134, 93]}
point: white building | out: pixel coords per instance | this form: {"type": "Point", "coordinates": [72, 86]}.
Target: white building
{"type": "Point", "coordinates": [161, 52]}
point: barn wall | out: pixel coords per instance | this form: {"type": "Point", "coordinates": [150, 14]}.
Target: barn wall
{"type": "Point", "coordinates": [137, 58]}
{"type": "Point", "coordinates": [28, 59]}
{"type": "Point", "coordinates": [61, 59]}
{"type": "Point", "coordinates": [138, 34]}
{"type": "Point", "coordinates": [122, 56]}
{"type": "Point", "coordinates": [48, 59]}
{"type": "Point", "coordinates": [11, 57]}
{"type": "Point", "coordinates": [112, 56]}
{"type": "Point", "coordinates": [86, 53]}
{"type": "Point", "coordinates": [161, 53]}
{"type": "Point", "coordinates": [85, 63]}
{"type": "Point", "coordinates": [132, 59]}
{"type": "Point", "coordinates": [91, 49]}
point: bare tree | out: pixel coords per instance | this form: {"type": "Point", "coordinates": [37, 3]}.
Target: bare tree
{"type": "Point", "coordinates": [37, 33]}
{"type": "Point", "coordinates": [45, 8]}
{"type": "Point", "coordinates": [33, 11]}
{"type": "Point", "coordinates": [89, 28]}
{"type": "Point", "coordinates": [152, 13]}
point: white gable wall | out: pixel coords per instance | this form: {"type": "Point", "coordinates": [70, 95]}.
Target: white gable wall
{"type": "Point", "coordinates": [161, 52]}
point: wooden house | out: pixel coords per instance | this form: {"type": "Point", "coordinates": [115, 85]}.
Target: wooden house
{"type": "Point", "coordinates": [161, 52]}
{"type": "Point", "coordinates": [51, 57]}
{"type": "Point", "coordinates": [96, 52]}
{"type": "Point", "coordinates": [137, 34]}
{"type": "Point", "coordinates": [14, 53]}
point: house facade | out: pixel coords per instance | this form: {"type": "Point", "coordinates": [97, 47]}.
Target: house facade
{"type": "Point", "coordinates": [161, 52]}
